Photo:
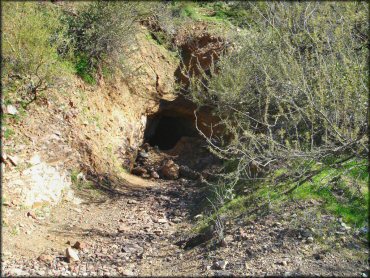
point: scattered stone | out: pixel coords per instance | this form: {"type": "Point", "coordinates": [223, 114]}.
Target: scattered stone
{"type": "Point", "coordinates": [122, 228]}
{"type": "Point", "coordinates": [146, 147]}
{"type": "Point", "coordinates": [131, 202]}
{"type": "Point", "coordinates": [221, 265]}
{"type": "Point", "coordinates": [72, 255]}
{"type": "Point", "coordinates": [364, 230]}
{"type": "Point", "coordinates": [223, 243]}
{"type": "Point", "coordinates": [35, 160]}
{"type": "Point", "coordinates": [143, 154]}
{"type": "Point", "coordinates": [309, 239]}
{"type": "Point", "coordinates": [31, 214]}
{"type": "Point", "coordinates": [243, 234]}
{"type": "Point", "coordinates": [18, 272]}
{"type": "Point", "coordinates": [138, 171]}
{"type": "Point", "coordinates": [14, 160]}
{"type": "Point", "coordinates": [229, 238]}
{"type": "Point", "coordinates": [222, 273]}
{"type": "Point", "coordinates": [176, 220]}
{"type": "Point", "coordinates": [162, 220]}
{"type": "Point", "coordinates": [4, 157]}
{"type": "Point", "coordinates": [154, 175]}
{"type": "Point", "coordinates": [170, 170]}
{"type": "Point", "coordinates": [81, 177]}
{"type": "Point", "coordinates": [345, 227]}
{"type": "Point", "coordinates": [45, 258]}
{"type": "Point", "coordinates": [318, 256]}
{"type": "Point", "coordinates": [79, 245]}
{"type": "Point", "coordinates": [158, 232]}
{"type": "Point", "coordinates": [306, 233]}
{"type": "Point", "coordinates": [284, 263]}
{"type": "Point", "coordinates": [11, 109]}
{"type": "Point", "coordinates": [127, 272]}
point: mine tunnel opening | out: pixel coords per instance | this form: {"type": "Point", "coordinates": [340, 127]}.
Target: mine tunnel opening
{"type": "Point", "coordinates": [165, 130]}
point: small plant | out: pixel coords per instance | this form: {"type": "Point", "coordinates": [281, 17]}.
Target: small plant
{"type": "Point", "coordinates": [15, 231]}
{"type": "Point", "coordinates": [80, 182]}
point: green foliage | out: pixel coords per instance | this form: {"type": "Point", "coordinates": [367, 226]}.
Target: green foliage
{"type": "Point", "coordinates": [31, 37]}
{"type": "Point", "coordinates": [339, 192]}
{"type": "Point", "coordinates": [80, 183]}
{"type": "Point", "coordinates": [101, 33]}
{"type": "Point", "coordinates": [345, 196]}
{"type": "Point", "coordinates": [84, 70]}
{"type": "Point", "coordinates": [8, 133]}
{"type": "Point", "coordinates": [292, 86]}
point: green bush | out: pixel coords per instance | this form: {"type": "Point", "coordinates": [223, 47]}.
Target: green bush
{"type": "Point", "coordinates": [101, 34]}
{"type": "Point", "coordinates": [32, 34]}
{"type": "Point", "coordinates": [292, 88]}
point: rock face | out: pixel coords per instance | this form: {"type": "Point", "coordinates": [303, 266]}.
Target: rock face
{"type": "Point", "coordinates": [170, 170]}
{"type": "Point", "coordinates": [40, 184]}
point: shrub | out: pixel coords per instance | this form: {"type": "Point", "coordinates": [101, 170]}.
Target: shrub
{"type": "Point", "coordinates": [32, 34]}
{"type": "Point", "coordinates": [101, 33]}
{"type": "Point", "coordinates": [293, 88]}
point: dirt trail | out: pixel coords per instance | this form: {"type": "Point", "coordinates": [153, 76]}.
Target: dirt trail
{"type": "Point", "coordinates": [134, 233]}
{"type": "Point", "coordinates": [129, 233]}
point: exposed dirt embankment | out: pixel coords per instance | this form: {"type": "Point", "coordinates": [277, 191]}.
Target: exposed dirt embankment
{"type": "Point", "coordinates": [94, 128]}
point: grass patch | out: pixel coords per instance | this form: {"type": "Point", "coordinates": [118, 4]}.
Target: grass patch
{"type": "Point", "coordinates": [84, 69]}
{"type": "Point", "coordinates": [8, 133]}
{"type": "Point", "coordinates": [341, 192]}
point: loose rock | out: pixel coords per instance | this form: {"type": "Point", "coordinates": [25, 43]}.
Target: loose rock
{"type": "Point", "coordinates": [14, 160]}
{"type": "Point", "coordinates": [139, 171]}
{"type": "Point", "coordinates": [45, 258]}
{"type": "Point", "coordinates": [154, 175]}
{"type": "Point", "coordinates": [31, 214]}
{"type": "Point", "coordinates": [11, 109]}
{"type": "Point", "coordinates": [79, 245]}
{"type": "Point", "coordinates": [72, 254]}
{"type": "Point", "coordinates": [220, 265]}
{"type": "Point", "coordinates": [170, 170]}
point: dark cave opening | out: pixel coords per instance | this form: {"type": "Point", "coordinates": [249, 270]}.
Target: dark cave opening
{"type": "Point", "coordinates": [165, 130]}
